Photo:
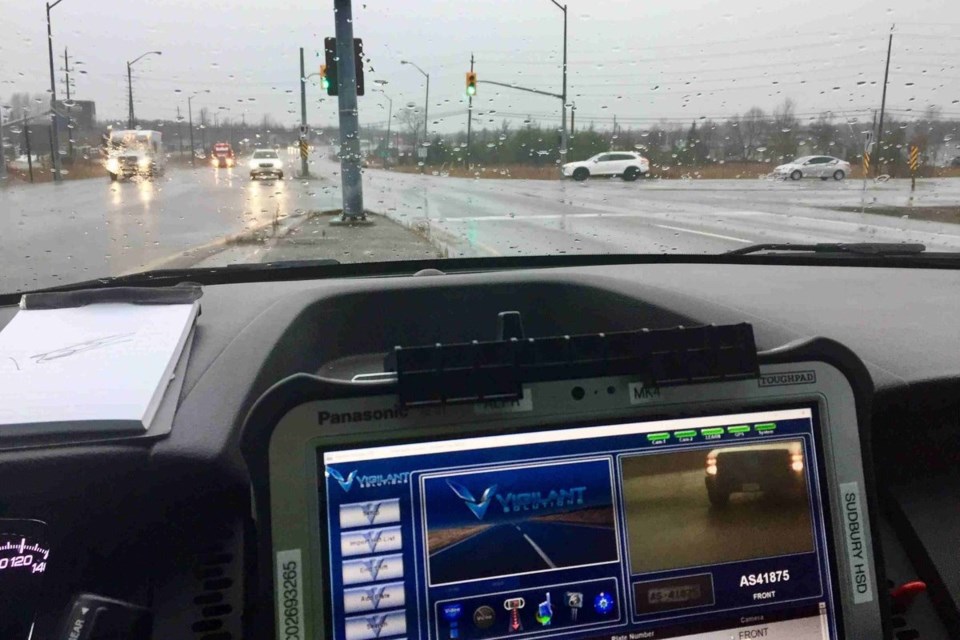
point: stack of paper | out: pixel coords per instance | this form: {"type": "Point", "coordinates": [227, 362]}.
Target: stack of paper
{"type": "Point", "coordinates": [101, 367]}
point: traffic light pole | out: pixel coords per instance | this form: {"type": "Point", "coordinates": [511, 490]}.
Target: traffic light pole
{"type": "Point", "coordinates": [469, 117]}
{"type": "Point", "coordinates": [304, 169]}
{"type": "Point", "coordinates": [350, 178]}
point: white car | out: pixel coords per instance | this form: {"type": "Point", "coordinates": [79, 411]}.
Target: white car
{"type": "Point", "coordinates": [626, 164]}
{"type": "Point", "coordinates": [265, 162]}
{"type": "Point", "coordinates": [823, 167]}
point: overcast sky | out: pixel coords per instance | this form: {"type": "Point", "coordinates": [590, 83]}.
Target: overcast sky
{"type": "Point", "coordinates": [637, 60]}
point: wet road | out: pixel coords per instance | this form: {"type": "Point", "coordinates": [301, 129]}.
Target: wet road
{"type": "Point", "coordinates": [511, 217]}
{"type": "Point", "coordinates": [671, 524]}
{"type": "Point", "coordinates": [523, 547]}
{"type": "Point", "coordinates": [83, 229]}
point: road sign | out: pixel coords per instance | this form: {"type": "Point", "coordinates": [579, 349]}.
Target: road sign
{"type": "Point", "coordinates": [303, 148]}
{"type": "Point", "coordinates": [303, 130]}
{"type": "Point", "coordinates": [421, 152]}
{"type": "Point", "coordinates": [914, 158]}
{"type": "Point", "coordinates": [866, 162]}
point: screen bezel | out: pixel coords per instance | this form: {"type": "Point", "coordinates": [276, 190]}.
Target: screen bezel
{"type": "Point", "coordinates": [282, 433]}
{"type": "Point", "coordinates": [322, 534]}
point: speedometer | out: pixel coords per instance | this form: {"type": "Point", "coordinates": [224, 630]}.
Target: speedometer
{"type": "Point", "coordinates": [24, 553]}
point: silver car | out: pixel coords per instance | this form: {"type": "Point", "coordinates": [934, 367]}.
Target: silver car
{"type": "Point", "coordinates": [823, 167]}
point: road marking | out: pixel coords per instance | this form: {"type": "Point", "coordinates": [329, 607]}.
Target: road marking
{"type": "Point", "coordinates": [705, 233]}
{"type": "Point", "coordinates": [539, 551]}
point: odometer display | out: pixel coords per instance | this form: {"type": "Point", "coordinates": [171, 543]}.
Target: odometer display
{"type": "Point", "coordinates": [24, 554]}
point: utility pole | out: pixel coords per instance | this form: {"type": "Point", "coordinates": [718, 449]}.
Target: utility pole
{"type": "Point", "coordinates": [350, 178]}
{"type": "Point", "coordinates": [179, 131]}
{"type": "Point", "coordinates": [26, 134]}
{"type": "Point", "coordinates": [573, 117]}
{"type": "Point", "coordinates": [563, 108]}
{"type": "Point", "coordinates": [3, 150]}
{"type": "Point", "coordinates": [304, 169]}
{"type": "Point", "coordinates": [193, 154]}
{"type": "Point", "coordinates": [54, 125]}
{"type": "Point", "coordinates": [130, 123]}
{"type": "Point", "coordinates": [469, 117]}
{"type": "Point", "coordinates": [883, 101]}
{"type": "Point", "coordinates": [66, 69]}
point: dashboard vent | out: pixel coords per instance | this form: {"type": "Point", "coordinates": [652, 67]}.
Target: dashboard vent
{"type": "Point", "coordinates": [203, 599]}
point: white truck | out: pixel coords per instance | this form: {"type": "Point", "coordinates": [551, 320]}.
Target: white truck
{"type": "Point", "coordinates": [132, 153]}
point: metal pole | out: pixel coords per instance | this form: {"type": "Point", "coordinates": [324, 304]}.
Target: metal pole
{"type": "Point", "coordinates": [66, 68]}
{"type": "Point", "coordinates": [179, 131]}
{"type": "Point", "coordinates": [573, 117]}
{"type": "Point", "coordinates": [3, 150]}
{"type": "Point", "coordinates": [883, 102]}
{"type": "Point", "coordinates": [389, 118]}
{"type": "Point", "coordinates": [563, 131]}
{"type": "Point", "coordinates": [130, 119]}
{"type": "Point", "coordinates": [350, 178]}
{"type": "Point", "coordinates": [304, 170]}
{"type": "Point", "coordinates": [426, 109]}
{"type": "Point", "coordinates": [193, 155]}
{"type": "Point", "coordinates": [469, 119]}
{"type": "Point", "coordinates": [26, 131]}
{"type": "Point", "coordinates": [54, 125]}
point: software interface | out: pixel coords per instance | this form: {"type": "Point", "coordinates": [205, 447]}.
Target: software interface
{"type": "Point", "coordinates": [702, 528]}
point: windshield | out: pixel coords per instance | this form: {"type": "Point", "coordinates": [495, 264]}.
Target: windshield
{"type": "Point", "coordinates": [485, 129]}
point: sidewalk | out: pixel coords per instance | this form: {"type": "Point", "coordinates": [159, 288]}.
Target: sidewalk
{"type": "Point", "coordinates": [313, 238]}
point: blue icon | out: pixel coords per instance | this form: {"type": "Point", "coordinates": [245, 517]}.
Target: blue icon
{"type": "Point", "coordinates": [545, 612]}
{"type": "Point", "coordinates": [453, 611]}
{"type": "Point", "coordinates": [477, 506]}
{"type": "Point", "coordinates": [603, 603]}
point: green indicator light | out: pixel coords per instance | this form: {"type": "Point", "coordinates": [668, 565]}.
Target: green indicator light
{"type": "Point", "coordinates": [652, 437]}
{"type": "Point", "coordinates": [714, 431]}
{"type": "Point", "coordinates": [766, 426]}
{"type": "Point", "coordinates": [685, 434]}
{"type": "Point", "coordinates": [742, 428]}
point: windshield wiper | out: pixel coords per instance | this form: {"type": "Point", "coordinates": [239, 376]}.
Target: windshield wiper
{"type": "Point", "coordinates": [855, 248]}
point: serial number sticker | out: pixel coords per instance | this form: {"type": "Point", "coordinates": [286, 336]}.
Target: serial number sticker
{"type": "Point", "coordinates": [289, 588]}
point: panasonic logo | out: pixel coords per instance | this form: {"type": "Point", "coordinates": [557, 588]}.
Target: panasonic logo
{"type": "Point", "coordinates": [788, 378]}
{"type": "Point", "coordinates": [368, 415]}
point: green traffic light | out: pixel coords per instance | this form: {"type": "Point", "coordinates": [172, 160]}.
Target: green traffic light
{"type": "Point", "coordinates": [325, 83]}
{"type": "Point", "coordinates": [471, 90]}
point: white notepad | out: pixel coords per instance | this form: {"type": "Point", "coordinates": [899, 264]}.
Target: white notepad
{"type": "Point", "coordinates": [100, 367]}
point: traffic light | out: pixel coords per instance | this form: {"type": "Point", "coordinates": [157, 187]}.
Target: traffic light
{"type": "Point", "coordinates": [471, 83]}
{"type": "Point", "coordinates": [324, 80]}
{"type": "Point", "coordinates": [330, 55]}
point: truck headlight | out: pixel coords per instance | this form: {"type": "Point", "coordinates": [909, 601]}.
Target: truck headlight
{"type": "Point", "coordinates": [143, 163]}
{"type": "Point", "coordinates": [796, 462]}
{"type": "Point", "coordinates": [113, 166]}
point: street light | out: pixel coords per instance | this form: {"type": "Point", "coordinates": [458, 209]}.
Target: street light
{"type": "Point", "coordinates": [55, 131]}
{"type": "Point", "coordinates": [389, 115]}
{"type": "Point", "coordinates": [193, 153]}
{"type": "Point", "coordinates": [132, 121]}
{"type": "Point", "coordinates": [563, 112]}
{"type": "Point", "coordinates": [426, 100]}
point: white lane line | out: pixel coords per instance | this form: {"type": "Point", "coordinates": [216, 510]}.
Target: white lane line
{"type": "Point", "coordinates": [705, 233]}
{"type": "Point", "coordinates": [539, 551]}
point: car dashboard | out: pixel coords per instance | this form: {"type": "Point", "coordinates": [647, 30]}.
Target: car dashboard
{"type": "Point", "coordinates": [167, 530]}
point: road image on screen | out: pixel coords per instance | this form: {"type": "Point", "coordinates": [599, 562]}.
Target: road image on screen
{"type": "Point", "coordinates": [521, 519]}
{"type": "Point", "coordinates": [709, 506]}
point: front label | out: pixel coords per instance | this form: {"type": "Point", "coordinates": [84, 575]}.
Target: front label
{"type": "Point", "coordinates": [855, 535]}
{"type": "Point", "coordinates": [787, 378]}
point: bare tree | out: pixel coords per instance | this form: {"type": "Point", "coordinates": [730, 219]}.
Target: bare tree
{"type": "Point", "coordinates": [750, 130]}
{"type": "Point", "coordinates": [410, 119]}
{"type": "Point", "coordinates": [783, 139]}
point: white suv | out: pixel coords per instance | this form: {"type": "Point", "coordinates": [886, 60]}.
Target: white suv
{"type": "Point", "coordinates": [265, 162]}
{"type": "Point", "coordinates": [626, 164]}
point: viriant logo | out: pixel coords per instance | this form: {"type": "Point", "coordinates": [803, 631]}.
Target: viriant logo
{"type": "Point", "coordinates": [368, 481]}
{"type": "Point", "coordinates": [515, 502]}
